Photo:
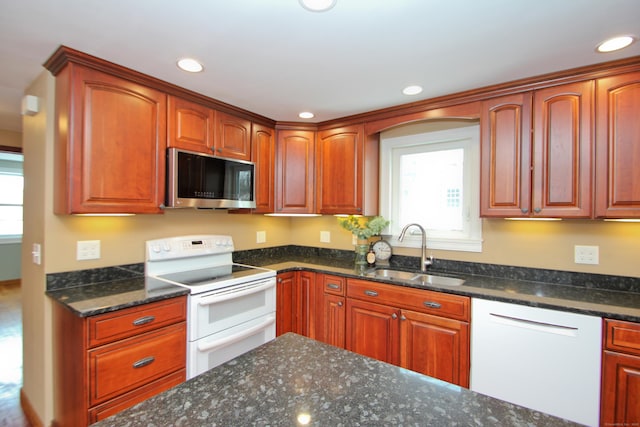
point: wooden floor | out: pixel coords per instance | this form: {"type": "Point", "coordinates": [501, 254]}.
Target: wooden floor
{"type": "Point", "coordinates": [11, 414]}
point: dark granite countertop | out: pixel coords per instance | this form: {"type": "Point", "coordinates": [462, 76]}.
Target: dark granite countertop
{"type": "Point", "coordinates": [557, 296]}
{"type": "Point", "coordinates": [298, 381]}
{"type": "Point", "coordinates": [103, 297]}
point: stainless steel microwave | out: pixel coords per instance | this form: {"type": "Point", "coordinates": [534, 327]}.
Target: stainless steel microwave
{"type": "Point", "coordinates": [196, 180]}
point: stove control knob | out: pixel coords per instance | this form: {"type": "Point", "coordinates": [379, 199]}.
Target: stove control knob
{"type": "Point", "coordinates": [155, 248]}
{"type": "Point", "coordinates": [166, 247]}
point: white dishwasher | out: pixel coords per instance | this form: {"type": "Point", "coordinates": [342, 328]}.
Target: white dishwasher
{"type": "Point", "coordinates": [542, 359]}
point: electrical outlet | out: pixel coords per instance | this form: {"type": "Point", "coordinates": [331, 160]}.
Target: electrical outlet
{"type": "Point", "coordinates": [325, 236]}
{"type": "Point", "coordinates": [88, 249]}
{"type": "Point", "coordinates": [586, 254]}
{"type": "Point", "coordinates": [261, 236]}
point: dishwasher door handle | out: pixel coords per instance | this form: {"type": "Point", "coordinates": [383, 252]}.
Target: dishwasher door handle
{"type": "Point", "coordinates": [532, 324]}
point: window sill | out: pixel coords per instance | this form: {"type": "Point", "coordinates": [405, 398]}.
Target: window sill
{"type": "Point", "coordinates": [10, 240]}
{"type": "Point", "coordinates": [466, 245]}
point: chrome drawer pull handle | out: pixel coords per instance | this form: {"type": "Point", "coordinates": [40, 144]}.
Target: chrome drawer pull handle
{"type": "Point", "coordinates": [143, 320]}
{"type": "Point", "coordinates": [371, 293]}
{"type": "Point", "coordinates": [144, 362]}
{"type": "Point", "coordinates": [333, 286]}
{"type": "Point", "coordinates": [432, 304]}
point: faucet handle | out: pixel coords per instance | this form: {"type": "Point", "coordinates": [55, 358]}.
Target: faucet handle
{"type": "Point", "coordinates": [428, 261]}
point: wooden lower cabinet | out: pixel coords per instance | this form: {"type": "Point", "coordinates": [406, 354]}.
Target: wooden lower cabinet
{"type": "Point", "coordinates": [424, 331]}
{"type": "Point", "coordinates": [435, 346]}
{"type": "Point", "coordinates": [620, 374]}
{"type": "Point", "coordinates": [373, 330]}
{"type": "Point", "coordinates": [109, 362]}
{"type": "Point", "coordinates": [331, 309]}
{"type": "Point", "coordinates": [295, 303]}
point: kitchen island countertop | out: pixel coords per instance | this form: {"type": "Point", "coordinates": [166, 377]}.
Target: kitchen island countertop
{"type": "Point", "coordinates": [294, 380]}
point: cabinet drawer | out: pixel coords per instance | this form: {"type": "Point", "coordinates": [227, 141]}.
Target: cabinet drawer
{"type": "Point", "coordinates": [132, 321]}
{"type": "Point", "coordinates": [334, 284]}
{"type": "Point", "coordinates": [138, 395]}
{"type": "Point", "coordinates": [622, 336]}
{"type": "Point", "coordinates": [120, 367]}
{"type": "Point", "coordinates": [436, 303]}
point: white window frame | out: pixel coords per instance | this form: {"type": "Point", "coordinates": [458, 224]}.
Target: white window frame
{"type": "Point", "coordinates": [17, 159]}
{"type": "Point", "coordinates": [465, 137]}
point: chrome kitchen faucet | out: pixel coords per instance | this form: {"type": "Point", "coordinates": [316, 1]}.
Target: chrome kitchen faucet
{"type": "Point", "coordinates": [425, 261]}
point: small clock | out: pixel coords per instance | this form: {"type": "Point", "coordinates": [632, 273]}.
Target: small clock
{"type": "Point", "coordinates": [382, 249]}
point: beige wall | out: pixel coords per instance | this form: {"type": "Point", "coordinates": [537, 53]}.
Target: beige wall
{"type": "Point", "coordinates": [10, 138]}
{"type": "Point", "coordinates": [539, 244]}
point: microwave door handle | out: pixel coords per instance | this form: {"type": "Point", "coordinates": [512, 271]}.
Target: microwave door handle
{"type": "Point", "coordinates": [231, 295]}
{"type": "Point", "coordinates": [225, 342]}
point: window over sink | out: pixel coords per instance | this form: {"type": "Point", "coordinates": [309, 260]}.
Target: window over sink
{"type": "Point", "coordinates": [429, 174]}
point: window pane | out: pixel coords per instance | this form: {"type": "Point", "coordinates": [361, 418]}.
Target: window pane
{"type": "Point", "coordinates": [11, 189]}
{"type": "Point", "coordinates": [11, 220]}
{"type": "Point", "coordinates": [431, 185]}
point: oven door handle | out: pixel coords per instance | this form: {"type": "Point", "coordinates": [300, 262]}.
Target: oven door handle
{"type": "Point", "coordinates": [231, 295]}
{"type": "Point", "coordinates": [224, 342]}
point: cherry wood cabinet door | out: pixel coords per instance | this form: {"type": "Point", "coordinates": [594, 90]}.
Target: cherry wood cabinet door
{"type": "Point", "coordinates": [285, 303]}
{"type": "Point", "coordinates": [339, 173]}
{"type": "Point", "coordinates": [232, 136]}
{"type": "Point", "coordinates": [373, 330]}
{"type": "Point", "coordinates": [295, 189]}
{"type": "Point", "coordinates": [190, 126]}
{"type": "Point", "coordinates": [334, 320]}
{"type": "Point", "coordinates": [618, 147]}
{"type": "Point", "coordinates": [620, 389]}
{"type": "Point", "coordinates": [110, 154]}
{"type": "Point", "coordinates": [562, 151]}
{"type": "Point", "coordinates": [435, 346]}
{"type": "Point", "coordinates": [264, 156]}
{"type": "Point", "coordinates": [505, 151]}
{"type": "Point", "coordinates": [306, 304]}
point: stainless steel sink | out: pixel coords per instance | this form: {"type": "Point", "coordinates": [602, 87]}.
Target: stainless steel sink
{"type": "Point", "coordinates": [394, 274]}
{"type": "Point", "coordinates": [417, 278]}
{"type": "Point", "coordinates": [428, 279]}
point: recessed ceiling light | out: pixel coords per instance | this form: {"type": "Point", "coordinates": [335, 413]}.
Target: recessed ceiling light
{"type": "Point", "coordinates": [412, 90]}
{"type": "Point", "coordinates": [615, 43]}
{"type": "Point", "coordinates": [317, 5]}
{"type": "Point", "coordinates": [306, 115]}
{"type": "Point", "coordinates": [190, 65]}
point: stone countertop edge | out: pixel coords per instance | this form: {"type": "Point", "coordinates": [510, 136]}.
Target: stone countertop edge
{"type": "Point", "coordinates": [100, 298]}
{"type": "Point", "coordinates": [595, 302]}
{"type": "Point", "coordinates": [294, 380]}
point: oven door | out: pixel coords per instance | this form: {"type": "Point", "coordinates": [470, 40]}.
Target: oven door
{"type": "Point", "coordinates": [209, 352]}
{"type": "Point", "coordinates": [213, 312]}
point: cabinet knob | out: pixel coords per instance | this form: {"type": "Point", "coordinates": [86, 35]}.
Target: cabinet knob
{"type": "Point", "coordinates": [537, 210]}
{"type": "Point", "coordinates": [524, 210]}
{"type": "Point", "coordinates": [403, 317]}
{"type": "Point", "coordinates": [394, 316]}
{"type": "Point", "coordinates": [339, 303]}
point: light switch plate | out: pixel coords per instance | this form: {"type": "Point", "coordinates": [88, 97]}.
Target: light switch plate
{"type": "Point", "coordinates": [261, 236]}
{"type": "Point", "coordinates": [586, 254]}
{"type": "Point", "coordinates": [325, 236]}
{"type": "Point", "coordinates": [88, 249]}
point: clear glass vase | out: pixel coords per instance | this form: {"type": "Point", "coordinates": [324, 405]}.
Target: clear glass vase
{"type": "Point", "coordinates": [362, 247]}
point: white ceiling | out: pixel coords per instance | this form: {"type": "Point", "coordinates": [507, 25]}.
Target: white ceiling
{"type": "Point", "coordinates": [274, 58]}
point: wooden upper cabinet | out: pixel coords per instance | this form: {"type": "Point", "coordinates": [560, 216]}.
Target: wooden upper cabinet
{"type": "Point", "coordinates": [190, 126]}
{"type": "Point", "coordinates": [295, 150]}
{"type": "Point", "coordinates": [232, 136]}
{"type": "Point", "coordinates": [263, 146]}
{"type": "Point", "coordinates": [505, 176]}
{"type": "Point", "coordinates": [562, 151]}
{"type": "Point", "coordinates": [618, 147]}
{"type": "Point", "coordinates": [110, 152]}
{"type": "Point", "coordinates": [537, 153]}
{"type": "Point", "coordinates": [339, 173]}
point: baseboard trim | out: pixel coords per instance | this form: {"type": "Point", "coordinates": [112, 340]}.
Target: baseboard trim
{"type": "Point", "coordinates": [28, 410]}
